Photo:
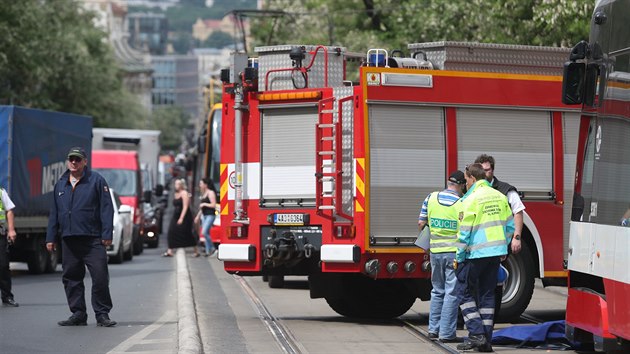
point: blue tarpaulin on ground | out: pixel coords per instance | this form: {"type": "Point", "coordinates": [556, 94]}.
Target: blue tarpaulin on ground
{"type": "Point", "coordinates": [547, 335]}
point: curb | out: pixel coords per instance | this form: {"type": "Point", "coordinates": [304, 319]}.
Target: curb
{"type": "Point", "coordinates": [187, 326]}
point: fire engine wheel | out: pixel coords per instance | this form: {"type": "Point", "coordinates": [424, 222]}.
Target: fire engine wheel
{"type": "Point", "coordinates": [275, 281]}
{"type": "Point", "coordinates": [362, 297]}
{"type": "Point", "coordinates": [519, 288]}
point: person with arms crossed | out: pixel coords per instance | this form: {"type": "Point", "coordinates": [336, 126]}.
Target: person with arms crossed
{"type": "Point", "coordinates": [83, 215]}
{"type": "Point", "coordinates": [439, 211]}
{"type": "Point", "coordinates": [7, 237]}
{"type": "Point", "coordinates": [485, 229]}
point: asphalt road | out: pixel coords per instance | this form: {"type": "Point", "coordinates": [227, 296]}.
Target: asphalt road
{"type": "Point", "coordinates": [144, 294]}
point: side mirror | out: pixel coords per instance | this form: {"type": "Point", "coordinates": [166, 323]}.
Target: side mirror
{"type": "Point", "coordinates": [146, 196]}
{"type": "Point", "coordinates": [201, 144]}
{"type": "Point", "coordinates": [159, 190]}
{"type": "Point", "coordinates": [573, 83]}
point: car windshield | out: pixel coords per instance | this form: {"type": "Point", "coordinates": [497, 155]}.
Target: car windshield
{"type": "Point", "coordinates": [122, 181]}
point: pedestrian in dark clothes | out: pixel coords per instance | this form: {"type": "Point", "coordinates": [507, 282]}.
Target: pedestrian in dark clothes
{"type": "Point", "coordinates": [83, 215]}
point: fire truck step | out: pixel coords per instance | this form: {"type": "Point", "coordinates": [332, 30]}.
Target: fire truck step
{"type": "Point", "coordinates": [327, 207]}
{"type": "Point", "coordinates": [323, 126]}
{"type": "Point", "coordinates": [322, 153]}
{"type": "Point", "coordinates": [327, 111]}
{"type": "Point", "coordinates": [328, 138]}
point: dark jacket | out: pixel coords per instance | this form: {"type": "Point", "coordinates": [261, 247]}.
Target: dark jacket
{"type": "Point", "coordinates": [503, 187]}
{"type": "Point", "coordinates": [85, 211]}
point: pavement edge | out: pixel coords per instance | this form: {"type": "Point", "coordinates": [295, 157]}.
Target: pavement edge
{"type": "Point", "coordinates": [188, 329]}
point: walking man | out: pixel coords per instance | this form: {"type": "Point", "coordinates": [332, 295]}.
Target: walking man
{"type": "Point", "coordinates": [485, 229]}
{"type": "Point", "coordinates": [7, 237]}
{"type": "Point", "coordinates": [439, 211]}
{"type": "Point", "coordinates": [83, 215]}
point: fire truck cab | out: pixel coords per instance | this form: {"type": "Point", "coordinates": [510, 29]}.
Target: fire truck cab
{"type": "Point", "coordinates": [324, 177]}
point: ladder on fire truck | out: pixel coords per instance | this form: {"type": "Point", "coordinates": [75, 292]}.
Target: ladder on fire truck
{"type": "Point", "coordinates": [329, 159]}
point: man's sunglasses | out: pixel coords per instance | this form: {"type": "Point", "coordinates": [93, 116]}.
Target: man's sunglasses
{"type": "Point", "coordinates": [75, 159]}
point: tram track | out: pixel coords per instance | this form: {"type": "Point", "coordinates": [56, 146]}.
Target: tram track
{"type": "Point", "coordinates": [288, 343]}
{"type": "Point", "coordinates": [284, 338]}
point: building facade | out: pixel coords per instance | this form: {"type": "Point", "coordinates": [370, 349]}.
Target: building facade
{"type": "Point", "coordinates": [176, 83]}
{"type": "Point", "coordinates": [148, 32]}
{"type": "Point", "coordinates": [111, 17]}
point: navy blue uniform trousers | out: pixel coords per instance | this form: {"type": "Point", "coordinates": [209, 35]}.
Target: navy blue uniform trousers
{"type": "Point", "coordinates": [476, 283]}
{"type": "Point", "coordinates": [79, 252]}
{"type": "Point", "coordinates": [5, 272]}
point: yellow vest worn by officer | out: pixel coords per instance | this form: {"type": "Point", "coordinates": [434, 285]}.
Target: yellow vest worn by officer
{"type": "Point", "coordinates": [443, 223]}
{"type": "Point", "coordinates": [486, 223]}
{"type": "Point", "coordinates": [3, 215]}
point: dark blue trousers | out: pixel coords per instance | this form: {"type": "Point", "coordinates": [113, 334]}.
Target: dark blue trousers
{"type": "Point", "coordinates": [80, 252]}
{"type": "Point", "coordinates": [5, 272]}
{"type": "Point", "coordinates": [476, 282]}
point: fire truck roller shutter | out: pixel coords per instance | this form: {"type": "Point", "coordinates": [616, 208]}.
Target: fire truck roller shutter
{"type": "Point", "coordinates": [407, 149]}
{"type": "Point", "coordinates": [521, 143]}
{"type": "Point", "coordinates": [288, 152]}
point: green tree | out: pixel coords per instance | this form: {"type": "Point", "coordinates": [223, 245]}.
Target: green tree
{"type": "Point", "coordinates": [218, 39]}
{"type": "Point", "coordinates": [52, 57]}
{"type": "Point", "coordinates": [171, 121]}
{"type": "Point", "coordinates": [362, 24]}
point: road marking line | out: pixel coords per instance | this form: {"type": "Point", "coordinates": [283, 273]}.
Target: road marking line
{"type": "Point", "coordinates": [139, 337]}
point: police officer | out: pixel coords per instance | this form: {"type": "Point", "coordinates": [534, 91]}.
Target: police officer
{"type": "Point", "coordinates": [440, 212]}
{"type": "Point", "coordinates": [7, 236]}
{"type": "Point", "coordinates": [486, 227]}
{"type": "Point", "coordinates": [83, 215]}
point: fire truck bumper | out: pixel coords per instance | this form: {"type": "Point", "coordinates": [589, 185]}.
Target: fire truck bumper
{"type": "Point", "coordinates": [340, 253]}
{"type": "Point", "coordinates": [237, 252]}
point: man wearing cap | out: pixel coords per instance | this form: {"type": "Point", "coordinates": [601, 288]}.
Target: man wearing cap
{"type": "Point", "coordinates": [83, 215]}
{"type": "Point", "coordinates": [440, 212]}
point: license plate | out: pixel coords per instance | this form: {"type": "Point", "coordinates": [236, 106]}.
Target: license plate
{"type": "Point", "coordinates": [288, 219]}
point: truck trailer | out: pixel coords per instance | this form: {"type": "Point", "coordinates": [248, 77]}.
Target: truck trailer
{"type": "Point", "coordinates": [34, 144]}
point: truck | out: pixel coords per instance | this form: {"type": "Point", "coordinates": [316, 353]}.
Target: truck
{"type": "Point", "coordinates": [147, 144]}
{"type": "Point", "coordinates": [324, 176]}
{"type": "Point", "coordinates": [597, 80]}
{"type": "Point", "coordinates": [34, 145]}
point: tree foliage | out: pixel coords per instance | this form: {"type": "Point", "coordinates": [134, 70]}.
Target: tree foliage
{"type": "Point", "coordinates": [361, 24]}
{"type": "Point", "coordinates": [171, 121]}
{"type": "Point", "coordinates": [218, 39]}
{"type": "Point", "coordinates": [53, 57]}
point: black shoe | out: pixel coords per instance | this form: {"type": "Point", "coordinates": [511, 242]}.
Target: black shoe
{"type": "Point", "coordinates": [433, 336]}
{"type": "Point", "coordinates": [477, 343]}
{"type": "Point", "coordinates": [73, 321]}
{"type": "Point", "coordinates": [104, 321]}
{"type": "Point", "coordinates": [10, 302]}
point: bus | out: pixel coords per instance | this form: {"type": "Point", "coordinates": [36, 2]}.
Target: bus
{"type": "Point", "coordinates": [597, 77]}
{"type": "Point", "coordinates": [206, 161]}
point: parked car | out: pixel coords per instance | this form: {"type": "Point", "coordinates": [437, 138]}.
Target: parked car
{"type": "Point", "coordinates": [122, 241]}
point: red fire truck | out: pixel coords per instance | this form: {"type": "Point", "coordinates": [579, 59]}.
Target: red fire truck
{"type": "Point", "coordinates": [323, 176]}
{"type": "Point", "coordinates": [598, 78]}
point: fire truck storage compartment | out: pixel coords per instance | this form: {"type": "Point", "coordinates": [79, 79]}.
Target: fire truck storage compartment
{"type": "Point", "coordinates": [519, 141]}
{"type": "Point", "coordinates": [288, 153]}
{"type": "Point", "coordinates": [407, 151]}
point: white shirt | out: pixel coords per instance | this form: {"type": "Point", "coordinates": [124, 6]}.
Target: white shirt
{"type": "Point", "coordinates": [6, 201]}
